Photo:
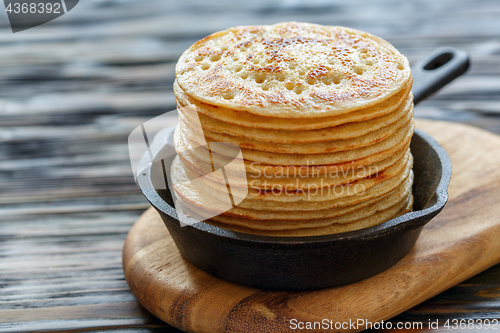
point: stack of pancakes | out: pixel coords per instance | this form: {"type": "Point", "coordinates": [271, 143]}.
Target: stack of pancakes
{"type": "Point", "coordinates": [305, 128]}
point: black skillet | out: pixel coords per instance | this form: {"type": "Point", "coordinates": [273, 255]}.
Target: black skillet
{"type": "Point", "coordinates": [314, 262]}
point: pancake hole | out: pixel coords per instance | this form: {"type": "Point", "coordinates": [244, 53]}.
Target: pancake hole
{"type": "Point", "coordinates": [238, 68]}
{"type": "Point", "coordinates": [265, 86]}
{"type": "Point", "coordinates": [229, 94]}
{"type": "Point", "coordinates": [311, 81]}
{"type": "Point", "coordinates": [244, 75]}
{"type": "Point", "coordinates": [359, 70]}
{"type": "Point", "coordinates": [302, 72]}
{"type": "Point", "coordinates": [299, 89]}
{"type": "Point", "coordinates": [364, 56]}
{"type": "Point", "coordinates": [292, 66]}
{"type": "Point", "coordinates": [335, 77]}
{"type": "Point", "coordinates": [369, 63]}
{"type": "Point", "coordinates": [223, 48]}
{"type": "Point", "coordinates": [236, 58]}
{"type": "Point", "coordinates": [205, 66]}
{"type": "Point", "coordinates": [198, 58]}
{"type": "Point", "coordinates": [281, 77]}
{"type": "Point", "coordinates": [260, 78]}
{"type": "Point", "coordinates": [215, 57]}
{"type": "Point", "coordinates": [289, 85]}
{"type": "Point", "coordinates": [401, 67]}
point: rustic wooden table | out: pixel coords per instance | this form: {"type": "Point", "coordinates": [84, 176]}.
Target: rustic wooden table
{"type": "Point", "coordinates": [72, 90]}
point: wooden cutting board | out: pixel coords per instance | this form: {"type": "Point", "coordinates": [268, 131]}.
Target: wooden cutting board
{"type": "Point", "coordinates": [463, 240]}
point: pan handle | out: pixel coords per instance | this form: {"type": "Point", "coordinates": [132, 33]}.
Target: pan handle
{"type": "Point", "coordinates": [438, 69]}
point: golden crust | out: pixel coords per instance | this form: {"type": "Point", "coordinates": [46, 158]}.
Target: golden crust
{"type": "Point", "coordinates": [297, 70]}
{"type": "Point", "coordinates": [249, 120]}
{"type": "Point", "coordinates": [402, 207]}
{"type": "Point", "coordinates": [206, 186]}
{"type": "Point", "coordinates": [401, 134]}
{"type": "Point", "coordinates": [303, 142]}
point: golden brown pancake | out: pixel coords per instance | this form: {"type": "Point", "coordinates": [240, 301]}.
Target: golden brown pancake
{"type": "Point", "coordinates": [295, 183]}
{"type": "Point", "coordinates": [346, 131]}
{"type": "Point", "coordinates": [399, 208]}
{"type": "Point", "coordinates": [268, 182]}
{"type": "Point", "coordinates": [402, 134]}
{"type": "Point", "coordinates": [297, 70]}
{"type": "Point", "coordinates": [247, 119]}
{"type": "Point", "coordinates": [297, 219]}
{"type": "Point", "coordinates": [198, 135]}
{"type": "Point", "coordinates": [293, 129]}
{"type": "Point", "coordinates": [182, 181]}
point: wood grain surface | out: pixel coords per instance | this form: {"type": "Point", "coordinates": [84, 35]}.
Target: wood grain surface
{"type": "Point", "coordinates": [73, 89]}
{"type": "Point", "coordinates": [460, 242]}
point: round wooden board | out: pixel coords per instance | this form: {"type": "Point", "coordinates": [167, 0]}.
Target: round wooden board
{"type": "Point", "coordinates": [459, 243]}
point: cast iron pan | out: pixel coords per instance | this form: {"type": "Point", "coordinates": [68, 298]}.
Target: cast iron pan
{"type": "Point", "coordinates": [314, 262]}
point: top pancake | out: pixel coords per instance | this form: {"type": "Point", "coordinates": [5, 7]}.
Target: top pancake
{"type": "Point", "coordinates": [247, 119]}
{"type": "Point", "coordinates": [297, 70]}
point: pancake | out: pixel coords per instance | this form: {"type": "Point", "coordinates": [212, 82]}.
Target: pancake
{"type": "Point", "coordinates": [196, 193]}
{"type": "Point", "coordinates": [269, 182]}
{"type": "Point", "coordinates": [353, 215]}
{"type": "Point", "coordinates": [294, 220]}
{"type": "Point", "coordinates": [396, 210]}
{"type": "Point", "coordinates": [402, 134]}
{"type": "Point", "coordinates": [343, 132]}
{"type": "Point", "coordinates": [296, 70]}
{"type": "Point", "coordinates": [190, 131]}
{"type": "Point", "coordinates": [382, 188]}
{"type": "Point", "coordinates": [298, 182]}
{"type": "Point", "coordinates": [247, 119]}
{"type": "Point", "coordinates": [201, 155]}
{"type": "Point", "coordinates": [293, 129]}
